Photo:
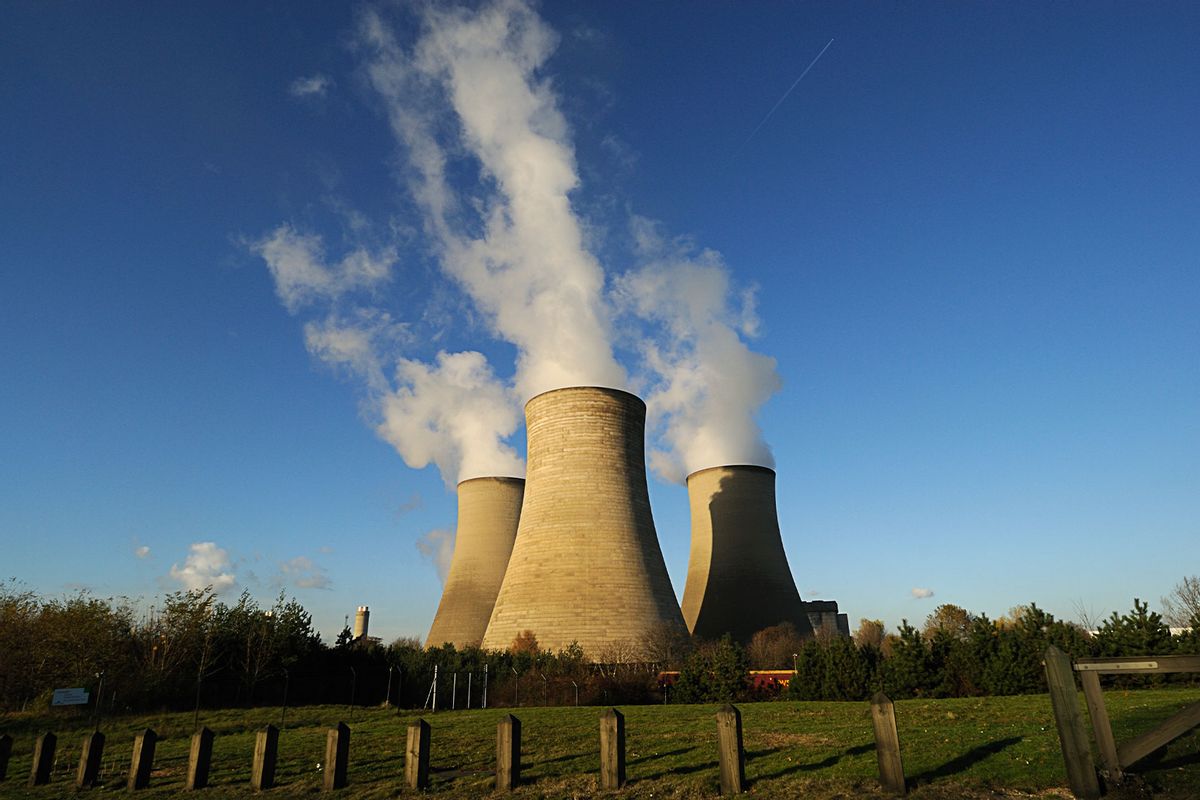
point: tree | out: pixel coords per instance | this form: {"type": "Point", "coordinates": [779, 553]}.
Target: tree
{"type": "Point", "coordinates": [773, 647]}
{"type": "Point", "coordinates": [666, 645]}
{"type": "Point", "coordinates": [870, 632]}
{"type": "Point", "coordinates": [715, 673]}
{"type": "Point", "coordinates": [1182, 606]}
{"type": "Point", "coordinates": [949, 619]}
{"type": "Point", "coordinates": [524, 642]}
{"type": "Point", "coordinates": [908, 671]}
{"type": "Point", "coordinates": [1140, 632]}
{"type": "Point", "coordinates": [344, 639]}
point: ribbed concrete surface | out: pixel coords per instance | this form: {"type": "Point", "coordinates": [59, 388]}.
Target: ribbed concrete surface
{"type": "Point", "coordinates": [488, 511]}
{"type": "Point", "coordinates": [586, 566]}
{"type": "Point", "coordinates": [738, 578]}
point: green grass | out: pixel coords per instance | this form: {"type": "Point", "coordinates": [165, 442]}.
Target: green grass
{"type": "Point", "coordinates": [958, 748]}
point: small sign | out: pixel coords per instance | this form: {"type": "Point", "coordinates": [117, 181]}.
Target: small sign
{"type": "Point", "coordinates": [70, 697]}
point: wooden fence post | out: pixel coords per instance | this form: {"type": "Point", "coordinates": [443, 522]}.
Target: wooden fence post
{"type": "Point", "coordinates": [1101, 725]}
{"type": "Point", "coordinates": [43, 759]}
{"type": "Point", "coordinates": [90, 753]}
{"type": "Point", "coordinates": [199, 759]}
{"type": "Point", "coordinates": [143, 759]}
{"type": "Point", "coordinates": [508, 753]}
{"type": "Point", "coordinates": [729, 747]}
{"type": "Point", "coordinates": [337, 756]}
{"type": "Point", "coordinates": [266, 749]}
{"type": "Point", "coordinates": [612, 749]}
{"type": "Point", "coordinates": [5, 754]}
{"type": "Point", "coordinates": [887, 744]}
{"type": "Point", "coordinates": [416, 755]}
{"type": "Point", "coordinates": [1072, 736]}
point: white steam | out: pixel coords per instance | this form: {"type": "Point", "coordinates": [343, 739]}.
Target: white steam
{"type": "Point", "coordinates": [707, 385]}
{"type": "Point", "coordinates": [488, 157]}
{"type": "Point", "coordinates": [297, 263]}
{"type": "Point", "coordinates": [471, 85]}
{"type": "Point", "coordinates": [438, 547]}
{"type": "Point", "coordinates": [454, 414]}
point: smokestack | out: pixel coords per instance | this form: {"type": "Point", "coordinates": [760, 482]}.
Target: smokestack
{"type": "Point", "coordinates": [586, 566]}
{"type": "Point", "coordinates": [738, 578]}
{"type": "Point", "coordinates": [361, 618]}
{"type": "Point", "coordinates": [488, 511]}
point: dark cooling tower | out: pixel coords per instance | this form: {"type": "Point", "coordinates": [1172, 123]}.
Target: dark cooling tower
{"type": "Point", "coordinates": [586, 566]}
{"type": "Point", "coordinates": [738, 577]}
{"type": "Point", "coordinates": [488, 510]}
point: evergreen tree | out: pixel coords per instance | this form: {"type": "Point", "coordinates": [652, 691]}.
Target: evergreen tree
{"type": "Point", "coordinates": [716, 673]}
{"type": "Point", "coordinates": [908, 671]}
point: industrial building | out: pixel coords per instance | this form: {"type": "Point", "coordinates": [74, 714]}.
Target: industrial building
{"type": "Point", "coordinates": [488, 512]}
{"type": "Point", "coordinates": [586, 566]}
{"type": "Point", "coordinates": [738, 581]}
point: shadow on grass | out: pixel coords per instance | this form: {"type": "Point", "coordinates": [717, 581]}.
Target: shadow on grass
{"type": "Point", "coordinates": [656, 756]}
{"type": "Point", "coordinates": [1158, 760]}
{"type": "Point", "coordinates": [688, 770]}
{"type": "Point", "coordinates": [965, 761]}
{"type": "Point", "coordinates": [829, 761]}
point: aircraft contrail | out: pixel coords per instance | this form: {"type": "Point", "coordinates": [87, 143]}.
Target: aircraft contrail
{"type": "Point", "coordinates": [785, 94]}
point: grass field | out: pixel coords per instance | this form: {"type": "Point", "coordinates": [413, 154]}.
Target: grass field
{"type": "Point", "coordinates": [958, 748]}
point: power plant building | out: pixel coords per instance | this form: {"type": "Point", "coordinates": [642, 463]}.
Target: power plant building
{"type": "Point", "coordinates": [738, 579]}
{"type": "Point", "coordinates": [586, 566]}
{"type": "Point", "coordinates": [488, 511]}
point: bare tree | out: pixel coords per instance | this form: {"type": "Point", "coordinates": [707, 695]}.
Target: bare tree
{"type": "Point", "coordinates": [666, 645]}
{"type": "Point", "coordinates": [772, 648]}
{"type": "Point", "coordinates": [1182, 606]}
{"type": "Point", "coordinates": [1088, 619]}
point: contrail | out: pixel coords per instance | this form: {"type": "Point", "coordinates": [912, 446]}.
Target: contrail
{"type": "Point", "coordinates": [785, 95]}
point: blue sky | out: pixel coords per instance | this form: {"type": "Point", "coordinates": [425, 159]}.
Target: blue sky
{"type": "Point", "coordinates": [971, 235]}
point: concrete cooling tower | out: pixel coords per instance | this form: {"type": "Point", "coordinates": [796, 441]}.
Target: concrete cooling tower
{"type": "Point", "coordinates": [488, 510]}
{"type": "Point", "coordinates": [738, 577]}
{"type": "Point", "coordinates": [586, 566]}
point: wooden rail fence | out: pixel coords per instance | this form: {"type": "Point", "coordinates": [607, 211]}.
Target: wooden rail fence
{"type": "Point", "coordinates": [1081, 771]}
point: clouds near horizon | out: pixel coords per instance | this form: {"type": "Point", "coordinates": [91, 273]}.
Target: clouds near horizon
{"type": "Point", "coordinates": [206, 565]}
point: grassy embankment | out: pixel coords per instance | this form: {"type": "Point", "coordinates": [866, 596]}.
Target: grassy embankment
{"type": "Point", "coordinates": [958, 748]}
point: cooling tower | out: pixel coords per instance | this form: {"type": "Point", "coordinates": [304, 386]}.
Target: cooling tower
{"type": "Point", "coordinates": [488, 510]}
{"type": "Point", "coordinates": [738, 577]}
{"type": "Point", "coordinates": [361, 617]}
{"type": "Point", "coordinates": [586, 566]}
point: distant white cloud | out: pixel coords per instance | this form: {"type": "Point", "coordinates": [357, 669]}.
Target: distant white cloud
{"type": "Point", "coordinates": [304, 573]}
{"type": "Point", "coordinates": [438, 547]}
{"type": "Point", "coordinates": [142, 552]}
{"type": "Point", "coordinates": [302, 275]}
{"type": "Point", "coordinates": [921, 594]}
{"type": "Point", "coordinates": [206, 565]}
{"type": "Point", "coordinates": [315, 86]}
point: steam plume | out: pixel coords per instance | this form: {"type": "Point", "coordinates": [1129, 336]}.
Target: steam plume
{"type": "Point", "coordinates": [518, 253]}
{"type": "Point", "coordinates": [454, 414]}
{"type": "Point", "coordinates": [488, 158]}
{"type": "Point", "coordinates": [707, 385]}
